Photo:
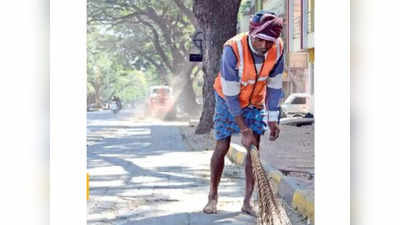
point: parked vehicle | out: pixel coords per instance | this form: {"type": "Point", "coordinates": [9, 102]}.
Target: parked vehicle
{"type": "Point", "coordinates": [160, 102]}
{"type": "Point", "coordinates": [297, 105]}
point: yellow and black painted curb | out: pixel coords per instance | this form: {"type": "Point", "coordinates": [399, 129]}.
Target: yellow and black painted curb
{"type": "Point", "coordinates": [300, 199]}
{"type": "Point", "coordinates": [87, 186]}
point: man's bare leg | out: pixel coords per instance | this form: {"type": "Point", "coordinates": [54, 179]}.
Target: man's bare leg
{"type": "Point", "coordinates": [216, 166]}
{"type": "Point", "coordinates": [247, 207]}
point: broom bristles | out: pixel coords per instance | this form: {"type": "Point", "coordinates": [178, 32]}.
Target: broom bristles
{"type": "Point", "coordinates": [271, 211]}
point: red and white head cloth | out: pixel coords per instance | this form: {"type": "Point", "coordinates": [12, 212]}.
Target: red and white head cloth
{"type": "Point", "coordinates": [266, 25]}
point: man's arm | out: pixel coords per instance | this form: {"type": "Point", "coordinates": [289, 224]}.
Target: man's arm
{"type": "Point", "coordinates": [274, 90]}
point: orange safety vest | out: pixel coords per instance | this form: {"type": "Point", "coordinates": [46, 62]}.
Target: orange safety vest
{"type": "Point", "coordinates": [252, 85]}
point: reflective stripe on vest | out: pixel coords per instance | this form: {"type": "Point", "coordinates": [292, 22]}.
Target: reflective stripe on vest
{"type": "Point", "coordinates": [241, 63]}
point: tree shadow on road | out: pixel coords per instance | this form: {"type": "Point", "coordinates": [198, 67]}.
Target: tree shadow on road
{"type": "Point", "coordinates": [120, 146]}
{"type": "Point", "coordinates": [134, 141]}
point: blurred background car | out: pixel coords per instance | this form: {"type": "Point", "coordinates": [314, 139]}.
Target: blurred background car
{"type": "Point", "coordinates": [297, 105]}
{"type": "Point", "coordinates": [160, 102]}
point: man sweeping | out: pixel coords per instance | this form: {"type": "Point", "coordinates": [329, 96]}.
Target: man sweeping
{"type": "Point", "coordinates": [247, 93]}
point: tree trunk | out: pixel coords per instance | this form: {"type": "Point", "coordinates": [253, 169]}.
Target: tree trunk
{"type": "Point", "coordinates": [217, 19]}
{"type": "Point", "coordinates": [98, 97]}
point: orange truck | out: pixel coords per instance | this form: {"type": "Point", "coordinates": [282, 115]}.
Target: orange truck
{"type": "Point", "coordinates": [160, 102]}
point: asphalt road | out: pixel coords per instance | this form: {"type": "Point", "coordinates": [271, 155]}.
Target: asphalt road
{"type": "Point", "coordinates": [141, 173]}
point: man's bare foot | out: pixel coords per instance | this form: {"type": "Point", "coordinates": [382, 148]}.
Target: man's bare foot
{"type": "Point", "coordinates": [248, 209]}
{"type": "Point", "coordinates": [211, 207]}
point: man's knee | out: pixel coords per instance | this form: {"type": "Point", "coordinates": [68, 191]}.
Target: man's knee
{"type": "Point", "coordinates": [222, 146]}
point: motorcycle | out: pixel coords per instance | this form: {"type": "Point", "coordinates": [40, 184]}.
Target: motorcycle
{"type": "Point", "coordinates": [114, 107]}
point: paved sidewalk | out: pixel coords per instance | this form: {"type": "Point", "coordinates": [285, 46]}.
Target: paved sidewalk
{"type": "Point", "coordinates": [293, 150]}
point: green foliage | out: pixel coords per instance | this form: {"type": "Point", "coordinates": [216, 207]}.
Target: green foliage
{"type": "Point", "coordinates": [133, 44]}
{"type": "Point", "coordinates": [152, 34]}
{"type": "Point", "coordinates": [107, 75]}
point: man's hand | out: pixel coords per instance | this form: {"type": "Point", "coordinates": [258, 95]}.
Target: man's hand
{"type": "Point", "coordinates": [273, 131]}
{"type": "Point", "coordinates": [248, 138]}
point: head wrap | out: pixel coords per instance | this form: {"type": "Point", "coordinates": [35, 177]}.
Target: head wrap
{"type": "Point", "coordinates": [266, 25]}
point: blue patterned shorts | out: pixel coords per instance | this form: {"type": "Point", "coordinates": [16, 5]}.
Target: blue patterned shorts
{"type": "Point", "coordinates": [225, 124]}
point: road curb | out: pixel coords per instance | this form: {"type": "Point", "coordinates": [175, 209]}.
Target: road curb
{"type": "Point", "coordinates": [300, 199]}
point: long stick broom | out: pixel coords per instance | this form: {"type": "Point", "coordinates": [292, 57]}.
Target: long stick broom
{"type": "Point", "coordinates": [271, 211]}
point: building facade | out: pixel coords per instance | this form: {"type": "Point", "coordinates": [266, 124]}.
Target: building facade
{"type": "Point", "coordinates": [300, 45]}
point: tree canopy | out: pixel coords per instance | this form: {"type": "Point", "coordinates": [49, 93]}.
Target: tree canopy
{"type": "Point", "coordinates": [109, 75]}
{"type": "Point", "coordinates": [150, 36]}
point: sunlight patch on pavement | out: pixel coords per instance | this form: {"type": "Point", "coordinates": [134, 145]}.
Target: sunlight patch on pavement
{"type": "Point", "coordinates": [113, 183]}
{"type": "Point", "coordinates": [134, 131]}
{"type": "Point", "coordinates": [107, 171]}
{"type": "Point", "coordinates": [146, 179]}
{"type": "Point", "coordinates": [131, 146]}
{"type": "Point", "coordinates": [101, 216]}
{"type": "Point", "coordinates": [181, 175]}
